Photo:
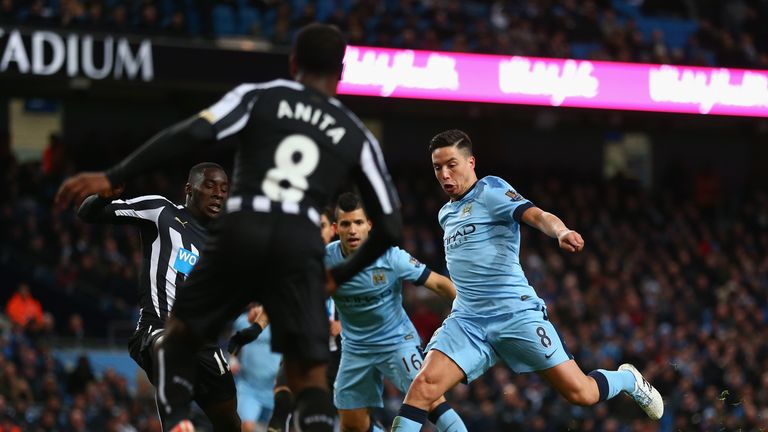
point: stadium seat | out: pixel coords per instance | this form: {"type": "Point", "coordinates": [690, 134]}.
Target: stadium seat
{"type": "Point", "coordinates": [224, 21]}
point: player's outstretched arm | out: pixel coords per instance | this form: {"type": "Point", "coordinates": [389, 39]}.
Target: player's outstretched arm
{"type": "Point", "coordinates": [552, 226]}
{"type": "Point", "coordinates": [441, 285]}
{"type": "Point", "coordinates": [160, 148]}
{"type": "Point", "coordinates": [94, 208]}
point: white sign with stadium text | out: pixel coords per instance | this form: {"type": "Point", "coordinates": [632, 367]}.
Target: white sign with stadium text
{"type": "Point", "coordinates": [45, 52]}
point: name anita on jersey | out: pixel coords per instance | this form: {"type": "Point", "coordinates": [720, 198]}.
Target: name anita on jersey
{"type": "Point", "coordinates": [312, 115]}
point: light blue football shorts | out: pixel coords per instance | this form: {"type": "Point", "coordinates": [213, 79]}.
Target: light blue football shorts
{"type": "Point", "coordinates": [525, 340]}
{"type": "Point", "coordinates": [360, 381]}
{"type": "Point", "coordinates": [251, 406]}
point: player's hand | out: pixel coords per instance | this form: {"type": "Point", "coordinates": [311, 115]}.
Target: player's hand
{"type": "Point", "coordinates": [113, 193]}
{"type": "Point", "coordinates": [76, 189]}
{"type": "Point", "coordinates": [335, 328]}
{"type": "Point", "coordinates": [330, 283]}
{"type": "Point", "coordinates": [570, 240]}
{"type": "Point", "coordinates": [234, 365]}
{"type": "Point", "coordinates": [243, 337]}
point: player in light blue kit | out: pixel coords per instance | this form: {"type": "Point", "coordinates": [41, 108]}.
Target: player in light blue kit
{"type": "Point", "coordinates": [497, 314]}
{"type": "Point", "coordinates": [254, 366]}
{"type": "Point", "coordinates": [378, 339]}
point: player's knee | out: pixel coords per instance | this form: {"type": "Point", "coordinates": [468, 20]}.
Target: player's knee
{"type": "Point", "coordinates": [425, 388]}
{"type": "Point", "coordinates": [248, 426]}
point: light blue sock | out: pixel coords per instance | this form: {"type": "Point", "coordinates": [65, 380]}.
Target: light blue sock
{"type": "Point", "coordinates": [449, 421]}
{"type": "Point", "coordinates": [409, 419]}
{"type": "Point", "coordinates": [611, 383]}
{"type": "Point", "coordinates": [376, 428]}
{"type": "Point", "coordinates": [402, 424]}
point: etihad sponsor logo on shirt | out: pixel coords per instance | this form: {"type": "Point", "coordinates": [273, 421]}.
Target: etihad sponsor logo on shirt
{"type": "Point", "coordinates": [362, 300]}
{"type": "Point", "coordinates": [459, 237]}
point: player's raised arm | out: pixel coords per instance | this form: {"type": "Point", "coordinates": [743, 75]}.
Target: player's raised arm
{"type": "Point", "coordinates": [382, 206]}
{"type": "Point", "coordinates": [552, 226]}
{"type": "Point", "coordinates": [441, 285]}
{"type": "Point", "coordinates": [160, 148]}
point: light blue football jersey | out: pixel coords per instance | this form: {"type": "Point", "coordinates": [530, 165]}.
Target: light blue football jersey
{"type": "Point", "coordinates": [371, 303]}
{"type": "Point", "coordinates": [258, 364]}
{"type": "Point", "coordinates": [481, 236]}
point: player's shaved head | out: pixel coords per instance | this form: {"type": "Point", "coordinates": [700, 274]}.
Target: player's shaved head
{"type": "Point", "coordinates": [319, 49]}
{"type": "Point", "coordinates": [451, 138]}
{"type": "Point", "coordinates": [197, 172]}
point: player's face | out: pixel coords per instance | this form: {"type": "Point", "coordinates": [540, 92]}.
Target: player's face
{"type": "Point", "coordinates": [352, 228]}
{"type": "Point", "coordinates": [454, 169]}
{"type": "Point", "coordinates": [326, 229]}
{"type": "Point", "coordinates": [209, 194]}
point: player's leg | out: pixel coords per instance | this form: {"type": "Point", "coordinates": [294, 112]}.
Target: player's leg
{"type": "Point", "coordinates": [529, 342]}
{"type": "Point", "coordinates": [580, 389]}
{"type": "Point", "coordinates": [249, 409]}
{"type": "Point", "coordinates": [359, 386]}
{"type": "Point", "coordinates": [314, 411]}
{"type": "Point", "coordinates": [215, 390]}
{"type": "Point", "coordinates": [283, 398]}
{"type": "Point", "coordinates": [438, 375]}
{"type": "Point", "coordinates": [299, 320]}
{"type": "Point", "coordinates": [458, 351]}
{"type": "Point", "coordinates": [141, 348]}
{"type": "Point", "coordinates": [401, 368]}
{"type": "Point", "coordinates": [211, 297]}
{"type": "Point", "coordinates": [223, 415]}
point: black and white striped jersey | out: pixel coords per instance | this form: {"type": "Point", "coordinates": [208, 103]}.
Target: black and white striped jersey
{"type": "Point", "coordinates": [297, 146]}
{"type": "Point", "coordinates": [171, 242]}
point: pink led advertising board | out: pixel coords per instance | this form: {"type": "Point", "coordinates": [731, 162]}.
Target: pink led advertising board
{"type": "Point", "coordinates": [553, 82]}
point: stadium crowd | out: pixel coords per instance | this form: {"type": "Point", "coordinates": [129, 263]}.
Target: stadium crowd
{"type": "Point", "coordinates": [693, 32]}
{"type": "Point", "coordinates": [673, 280]}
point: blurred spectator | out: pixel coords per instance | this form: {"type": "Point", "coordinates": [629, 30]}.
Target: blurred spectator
{"type": "Point", "coordinates": [23, 309]}
{"type": "Point", "coordinates": [79, 379]}
{"type": "Point", "coordinates": [730, 34]}
{"type": "Point", "coordinates": [54, 156]}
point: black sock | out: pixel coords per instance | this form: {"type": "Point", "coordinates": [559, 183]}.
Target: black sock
{"type": "Point", "coordinates": [412, 413]}
{"type": "Point", "coordinates": [435, 414]}
{"type": "Point", "coordinates": [283, 408]}
{"type": "Point", "coordinates": [315, 411]}
{"type": "Point", "coordinates": [602, 384]}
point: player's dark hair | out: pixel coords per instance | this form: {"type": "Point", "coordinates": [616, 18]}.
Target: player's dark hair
{"type": "Point", "coordinates": [449, 138]}
{"type": "Point", "coordinates": [348, 202]}
{"type": "Point", "coordinates": [319, 48]}
{"type": "Point", "coordinates": [327, 211]}
{"type": "Point", "coordinates": [199, 170]}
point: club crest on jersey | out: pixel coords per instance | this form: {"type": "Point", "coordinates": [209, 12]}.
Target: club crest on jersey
{"type": "Point", "coordinates": [467, 210]}
{"type": "Point", "coordinates": [185, 261]}
{"type": "Point", "coordinates": [514, 196]}
{"type": "Point", "coordinates": [378, 277]}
